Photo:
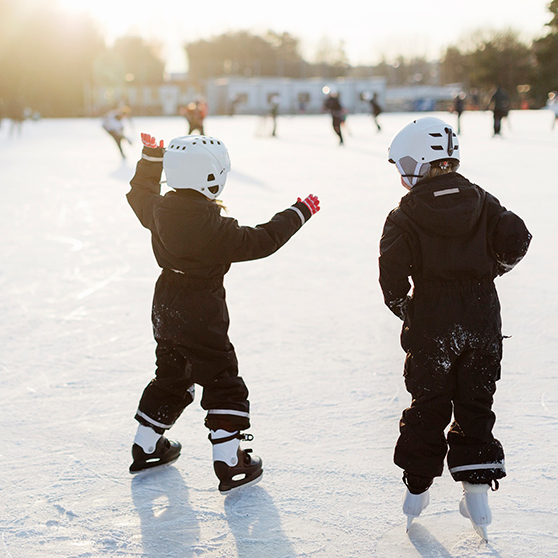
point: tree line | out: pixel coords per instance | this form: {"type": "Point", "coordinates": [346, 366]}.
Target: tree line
{"type": "Point", "coordinates": [50, 60]}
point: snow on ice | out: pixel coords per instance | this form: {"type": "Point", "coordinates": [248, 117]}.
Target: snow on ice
{"type": "Point", "coordinates": [317, 348]}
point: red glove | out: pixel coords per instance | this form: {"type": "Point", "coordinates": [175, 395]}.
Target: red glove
{"type": "Point", "coordinates": [312, 203]}
{"type": "Point", "coordinates": [149, 141]}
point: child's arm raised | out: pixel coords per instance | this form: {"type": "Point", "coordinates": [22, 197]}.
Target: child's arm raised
{"type": "Point", "coordinates": [146, 183]}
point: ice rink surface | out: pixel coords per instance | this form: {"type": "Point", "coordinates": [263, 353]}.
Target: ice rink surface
{"type": "Point", "coordinates": [317, 347]}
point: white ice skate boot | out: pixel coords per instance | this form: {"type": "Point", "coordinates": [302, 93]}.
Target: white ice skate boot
{"type": "Point", "coordinates": [474, 506]}
{"type": "Point", "coordinates": [413, 504]}
{"type": "Point", "coordinates": [234, 466]}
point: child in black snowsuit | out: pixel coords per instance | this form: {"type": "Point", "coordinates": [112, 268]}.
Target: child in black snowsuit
{"type": "Point", "coordinates": [453, 239]}
{"type": "Point", "coordinates": [195, 246]}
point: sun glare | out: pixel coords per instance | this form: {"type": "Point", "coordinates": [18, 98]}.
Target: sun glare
{"type": "Point", "coordinates": [114, 17]}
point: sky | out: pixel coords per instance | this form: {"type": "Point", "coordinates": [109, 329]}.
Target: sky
{"type": "Point", "coordinates": [369, 31]}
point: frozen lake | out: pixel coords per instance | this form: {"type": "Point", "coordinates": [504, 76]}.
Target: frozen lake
{"type": "Point", "coordinates": [318, 350]}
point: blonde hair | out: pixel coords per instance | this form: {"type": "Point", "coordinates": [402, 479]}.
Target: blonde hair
{"type": "Point", "coordinates": [437, 170]}
{"type": "Point", "coordinates": [220, 205]}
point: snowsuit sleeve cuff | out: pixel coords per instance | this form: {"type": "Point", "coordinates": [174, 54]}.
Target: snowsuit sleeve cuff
{"type": "Point", "coordinates": [153, 155]}
{"type": "Point", "coordinates": [302, 210]}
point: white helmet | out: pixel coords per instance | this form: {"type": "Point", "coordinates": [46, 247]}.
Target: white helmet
{"type": "Point", "coordinates": [420, 145]}
{"type": "Point", "coordinates": [197, 163]}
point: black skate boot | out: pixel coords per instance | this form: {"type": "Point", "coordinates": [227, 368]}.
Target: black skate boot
{"type": "Point", "coordinates": [245, 471]}
{"type": "Point", "coordinates": [166, 451]}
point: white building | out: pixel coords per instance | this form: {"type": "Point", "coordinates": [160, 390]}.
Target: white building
{"type": "Point", "coordinates": [252, 95]}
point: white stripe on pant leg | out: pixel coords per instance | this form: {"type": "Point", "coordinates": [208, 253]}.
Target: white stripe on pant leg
{"type": "Point", "coordinates": [500, 465]}
{"type": "Point", "coordinates": [228, 412]}
{"type": "Point", "coordinates": [151, 421]}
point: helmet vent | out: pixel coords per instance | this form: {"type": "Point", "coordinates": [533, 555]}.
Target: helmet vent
{"type": "Point", "coordinates": [210, 177]}
{"type": "Point", "coordinates": [435, 135]}
{"type": "Point", "coordinates": [437, 147]}
{"type": "Point", "coordinates": [213, 189]}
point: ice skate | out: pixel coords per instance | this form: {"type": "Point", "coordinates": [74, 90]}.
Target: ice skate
{"type": "Point", "coordinates": [414, 504]}
{"type": "Point", "coordinates": [474, 506]}
{"type": "Point", "coordinates": [165, 452]}
{"type": "Point", "coordinates": [234, 467]}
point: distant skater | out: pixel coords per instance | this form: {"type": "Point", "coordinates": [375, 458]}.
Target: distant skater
{"type": "Point", "coordinates": [552, 104]}
{"type": "Point", "coordinates": [195, 114]}
{"type": "Point", "coordinates": [194, 246]}
{"type": "Point", "coordinates": [114, 126]}
{"type": "Point", "coordinates": [375, 110]}
{"type": "Point", "coordinates": [333, 105]}
{"type": "Point", "coordinates": [500, 103]}
{"type": "Point", "coordinates": [16, 113]}
{"type": "Point", "coordinates": [274, 111]}
{"type": "Point", "coordinates": [453, 239]}
{"type": "Point", "coordinates": [459, 108]}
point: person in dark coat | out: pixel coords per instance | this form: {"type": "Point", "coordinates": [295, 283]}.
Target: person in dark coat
{"type": "Point", "coordinates": [376, 110]}
{"type": "Point", "coordinates": [195, 246]}
{"type": "Point", "coordinates": [459, 108]}
{"type": "Point", "coordinates": [452, 238]}
{"type": "Point", "coordinates": [332, 104]}
{"type": "Point", "coordinates": [500, 103]}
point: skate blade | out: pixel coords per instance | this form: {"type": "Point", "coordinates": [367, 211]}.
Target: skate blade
{"type": "Point", "coordinates": [244, 485]}
{"type": "Point", "coordinates": [409, 521]}
{"type": "Point", "coordinates": [481, 532]}
{"type": "Point", "coordinates": [155, 466]}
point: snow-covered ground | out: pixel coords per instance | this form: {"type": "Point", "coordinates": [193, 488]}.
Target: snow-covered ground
{"type": "Point", "coordinates": [318, 350]}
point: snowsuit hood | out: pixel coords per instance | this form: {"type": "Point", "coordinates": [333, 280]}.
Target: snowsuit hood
{"type": "Point", "coordinates": [448, 205]}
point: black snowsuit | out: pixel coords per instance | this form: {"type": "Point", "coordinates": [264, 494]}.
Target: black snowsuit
{"type": "Point", "coordinates": [195, 246]}
{"type": "Point", "coordinates": [453, 239]}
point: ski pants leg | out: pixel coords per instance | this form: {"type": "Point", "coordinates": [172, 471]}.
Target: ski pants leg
{"type": "Point", "coordinates": [190, 325]}
{"type": "Point", "coordinates": [422, 447]}
{"type": "Point", "coordinates": [474, 454]}
{"type": "Point", "coordinates": [443, 383]}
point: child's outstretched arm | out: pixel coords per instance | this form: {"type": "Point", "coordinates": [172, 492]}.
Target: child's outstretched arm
{"type": "Point", "coordinates": [234, 243]}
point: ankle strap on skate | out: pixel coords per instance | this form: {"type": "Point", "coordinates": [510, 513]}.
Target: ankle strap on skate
{"type": "Point", "coordinates": [241, 436]}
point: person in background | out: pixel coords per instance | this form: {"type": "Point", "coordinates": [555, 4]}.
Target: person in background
{"type": "Point", "coordinates": [195, 113]}
{"type": "Point", "coordinates": [459, 108]}
{"type": "Point", "coordinates": [552, 104]}
{"type": "Point", "coordinates": [375, 110]}
{"type": "Point", "coordinates": [332, 104]}
{"type": "Point", "coordinates": [500, 103]}
{"type": "Point", "coordinates": [113, 124]}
